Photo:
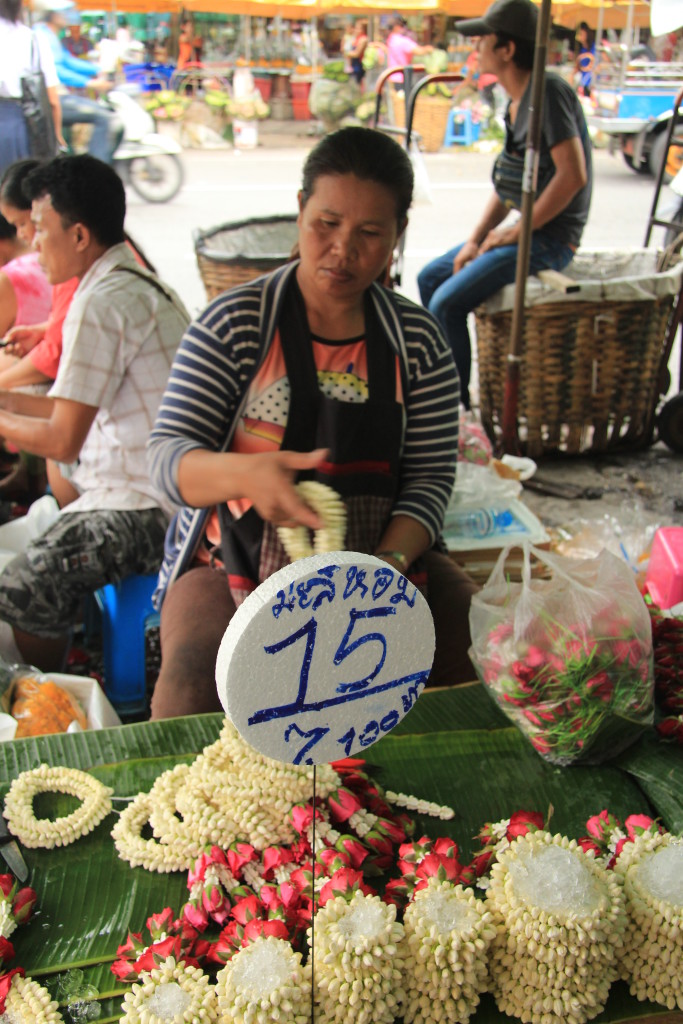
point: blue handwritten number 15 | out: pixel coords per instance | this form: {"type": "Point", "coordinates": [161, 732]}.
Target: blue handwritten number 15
{"type": "Point", "coordinates": [345, 691]}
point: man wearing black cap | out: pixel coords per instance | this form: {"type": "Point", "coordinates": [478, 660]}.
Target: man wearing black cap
{"type": "Point", "coordinates": [464, 277]}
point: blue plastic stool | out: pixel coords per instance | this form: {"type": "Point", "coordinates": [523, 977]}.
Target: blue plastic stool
{"type": "Point", "coordinates": [126, 609]}
{"type": "Point", "coordinates": [459, 132]}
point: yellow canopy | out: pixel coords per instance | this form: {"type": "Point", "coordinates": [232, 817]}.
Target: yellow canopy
{"type": "Point", "coordinates": [564, 12]}
{"type": "Point", "coordinates": [615, 13]}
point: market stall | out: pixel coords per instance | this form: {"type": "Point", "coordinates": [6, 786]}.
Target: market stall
{"type": "Point", "coordinates": [454, 748]}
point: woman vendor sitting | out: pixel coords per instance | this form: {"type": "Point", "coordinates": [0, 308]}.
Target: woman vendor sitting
{"type": "Point", "coordinates": [315, 371]}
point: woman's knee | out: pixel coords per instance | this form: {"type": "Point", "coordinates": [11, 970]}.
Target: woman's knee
{"type": "Point", "coordinates": [194, 617]}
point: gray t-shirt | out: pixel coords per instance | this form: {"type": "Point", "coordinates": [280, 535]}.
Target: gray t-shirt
{"type": "Point", "coordinates": [563, 119]}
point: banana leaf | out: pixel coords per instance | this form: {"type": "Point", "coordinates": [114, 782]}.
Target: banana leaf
{"type": "Point", "coordinates": [454, 747]}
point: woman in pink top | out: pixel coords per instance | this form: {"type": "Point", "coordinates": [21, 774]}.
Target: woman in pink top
{"type": "Point", "coordinates": [25, 294]}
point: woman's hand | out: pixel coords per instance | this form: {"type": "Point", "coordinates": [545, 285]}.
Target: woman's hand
{"type": "Point", "coordinates": [270, 481]}
{"type": "Point", "coordinates": [20, 340]}
{"type": "Point", "coordinates": [266, 479]}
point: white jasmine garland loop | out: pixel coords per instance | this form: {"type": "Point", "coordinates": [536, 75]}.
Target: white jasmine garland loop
{"type": "Point", "coordinates": [330, 507]}
{"type": "Point", "coordinates": [28, 1002]}
{"type": "Point", "coordinates": [171, 992]}
{"type": "Point", "coordinates": [43, 832]}
{"type": "Point", "coordinates": [147, 853]}
{"type": "Point", "coordinates": [229, 792]}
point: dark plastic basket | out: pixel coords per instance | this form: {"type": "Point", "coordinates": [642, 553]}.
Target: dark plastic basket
{"type": "Point", "coordinates": [236, 253]}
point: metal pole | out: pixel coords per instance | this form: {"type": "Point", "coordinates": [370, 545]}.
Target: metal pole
{"type": "Point", "coordinates": [510, 438]}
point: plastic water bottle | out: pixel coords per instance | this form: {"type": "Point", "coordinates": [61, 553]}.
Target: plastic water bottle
{"type": "Point", "coordinates": [480, 523]}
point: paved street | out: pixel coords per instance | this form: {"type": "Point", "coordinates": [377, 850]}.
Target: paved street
{"type": "Point", "coordinates": [230, 185]}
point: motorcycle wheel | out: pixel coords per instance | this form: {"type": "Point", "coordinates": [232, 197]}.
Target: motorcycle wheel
{"type": "Point", "coordinates": [629, 161]}
{"type": "Point", "coordinates": [657, 154]}
{"type": "Point", "coordinates": [158, 178]}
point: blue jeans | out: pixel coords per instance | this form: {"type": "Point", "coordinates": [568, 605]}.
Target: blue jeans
{"type": "Point", "coordinates": [106, 124]}
{"type": "Point", "coordinates": [450, 297]}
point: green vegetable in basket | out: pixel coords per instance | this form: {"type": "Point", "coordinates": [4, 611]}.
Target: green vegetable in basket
{"type": "Point", "coordinates": [435, 62]}
{"type": "Point", "coordinates": [365, 110]}
{"type": "Point", "coordinates": [215, 98]}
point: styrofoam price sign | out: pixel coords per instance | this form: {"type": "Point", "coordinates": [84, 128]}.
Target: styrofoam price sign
{"type": "Point", "coordinates": [325, 657]}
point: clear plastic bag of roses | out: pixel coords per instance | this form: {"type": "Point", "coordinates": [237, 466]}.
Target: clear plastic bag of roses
{"type": "Point", "coordinates": [567, 654]}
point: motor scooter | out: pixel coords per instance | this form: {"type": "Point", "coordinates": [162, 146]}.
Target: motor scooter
{"type": "Point", "coordinates": [146, 160]}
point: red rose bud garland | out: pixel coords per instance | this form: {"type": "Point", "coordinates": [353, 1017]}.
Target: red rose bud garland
{"type": "Point", "coordinates": [567, 687]}
{"type": "Point", "coordinates": [667, 639]}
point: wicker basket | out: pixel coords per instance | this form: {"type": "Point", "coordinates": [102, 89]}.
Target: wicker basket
{"type": "Point", "coordinates": [591, 366]}
{"type": "Point", "coordinates": [430, 118]}
{"type": "Point", "coordinates": [236, 253]}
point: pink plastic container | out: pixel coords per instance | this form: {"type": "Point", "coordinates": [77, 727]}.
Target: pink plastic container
{"type": "Point", "coordinates": [664, 579]}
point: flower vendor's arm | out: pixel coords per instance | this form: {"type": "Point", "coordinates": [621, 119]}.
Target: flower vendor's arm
{"type": "Point", "coordinates": [430, 447]}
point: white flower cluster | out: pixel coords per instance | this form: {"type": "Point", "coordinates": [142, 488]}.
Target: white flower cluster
{"type": "Point", "coordinates": [560, 918]}
{"type": "Point", "coordinates": [358, 964]}
{"type": "Point", "coordinates": [412, 803]}
{"type": "Point", "coordinates": [651, 869]}
{"type": "Point", "coordinates": [331, 509]}
{"type": "Point", "coordinates": [263, 983]}
{"type": "Point", "coordinates": [43, 832]}
{"type": "Point", "coordinates": [363, 821]}
{"type": "Point", "coordinates": [7, 922]}
{"type": "Point", "coordinates": [171, 992]}
{"type": "Point", "coordinates": [229, 792]}
{"type": "Point", "coordinates": [447, 937]}
{"type": "Point", "coordinates": [28, 1002]}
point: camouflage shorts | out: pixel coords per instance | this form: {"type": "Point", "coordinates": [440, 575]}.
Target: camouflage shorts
{"type": "Point", "coordinates": [42, 589]}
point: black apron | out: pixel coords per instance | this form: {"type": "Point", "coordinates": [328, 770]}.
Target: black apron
{"type": "Point", "coordinates": [363, 441]}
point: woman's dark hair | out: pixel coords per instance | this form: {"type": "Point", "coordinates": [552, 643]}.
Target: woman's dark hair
{"type": "Point", "coordinates": [82, 190]}
{"type": "Point", "coordinates": [370, 155]}
{"type": "Point", "coordinates": [12, 183]}
{"type": "Point", "coordinates": [7, 230]}
{"type": "Point", "coordinates": [523, 56]}
{"type": "Point", "coordinates": [10, 10]}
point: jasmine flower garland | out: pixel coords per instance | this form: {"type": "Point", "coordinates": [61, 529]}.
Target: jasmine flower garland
{"type": "Point", "coordinates": [228, 792]}
{"type": "Point", "coordinates": [358, 964]}
{"type": "Point", "coordinates": [42, 832]}
{"type": "Point", "coordinates": [172, 993]}
{"type": "Point", "coordinates": [331, 509]}
{"type": "Point", "coordinates": [27, 1002]}
{"type": "Point", "coordinates": [264, 982]}
{"type": "Point", "coordinates": [560, 919]}
{"type": "Point", "coordinates": [651, 870]}
{"type": "Point", "coordinates": [447, 936]}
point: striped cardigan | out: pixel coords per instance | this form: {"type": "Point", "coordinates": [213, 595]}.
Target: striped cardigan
{"type": "Point", "coordinates": [209, 381]}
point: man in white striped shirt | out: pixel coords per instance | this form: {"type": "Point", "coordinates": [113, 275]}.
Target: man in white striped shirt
{"type": "Point", "coordinates": [119, 338]}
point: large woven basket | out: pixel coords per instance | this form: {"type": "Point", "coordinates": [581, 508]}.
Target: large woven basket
{"type": "Point", "coordinates": [591, 362]}
{"type": "Point", "coordinates": [430, 118]}
{"type": "Point", "coordinates": [236, 253]}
